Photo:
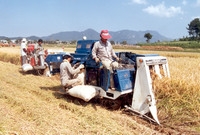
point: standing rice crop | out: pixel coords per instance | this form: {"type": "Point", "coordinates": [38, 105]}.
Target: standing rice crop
{"type": "Point", "coordinates": [179, 96]}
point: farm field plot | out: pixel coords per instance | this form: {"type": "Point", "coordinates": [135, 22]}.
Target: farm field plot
{"type": "Point", "coordinates": [30, 105]}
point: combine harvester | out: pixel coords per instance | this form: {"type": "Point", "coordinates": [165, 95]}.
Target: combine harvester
{"type": "Point", "coordinates": [48, 61]}
{"type": "Point", "coordinates": [133, 81]}
{"type": "Point", "coordinates": [133, 78]}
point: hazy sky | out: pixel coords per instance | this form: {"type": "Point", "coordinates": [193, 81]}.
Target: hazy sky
{"type": "Point", "coordinates": [45, 17]}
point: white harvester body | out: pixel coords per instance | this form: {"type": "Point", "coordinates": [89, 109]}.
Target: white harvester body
{"type": "Point", "coordinates": [143, 97]}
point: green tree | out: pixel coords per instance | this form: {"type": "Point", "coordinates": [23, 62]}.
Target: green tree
{"type": "Point", "coordinates": [73, 42]}
{"type": "Point", "coordinates": [148, 36]}
{"type": "Point", "coordinates": [112, 42]}
{"type": "Point", "coordinates": [124, 42]}
{"type": "Point", "coordinates": [194, 28]}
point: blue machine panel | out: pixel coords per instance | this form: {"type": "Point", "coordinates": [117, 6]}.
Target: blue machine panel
{"type": "Point", "coordinates": [54, 58]}
{"type": "Point", "coordinates": [84, 46]}
{"type": "Point", "coordinates": [83, 53]}
{"type": "Point", "coordinates": [124, 79]}
{"type": "Point", "coordinates": [54, 61]}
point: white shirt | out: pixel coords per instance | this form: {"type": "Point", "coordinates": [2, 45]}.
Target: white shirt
{"type": "Point", "coordinates": [67, 71]}
{"type": "Point", "coordinates": [23, 45]}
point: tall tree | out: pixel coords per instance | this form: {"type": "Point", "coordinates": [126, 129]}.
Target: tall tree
{"type": "Point", "coordinates": [148, 36]}
{"type": "Point", "coordinates": [194, 28]}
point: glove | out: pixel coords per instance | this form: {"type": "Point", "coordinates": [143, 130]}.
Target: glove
{"type": "Point", "coordinates": [117, 59]}
{"type": "Point", "coordinates": [76, 65]}
{"type": "Point", "coordinates": [97, 60]}
{"type": "Point", "coordinates": [81, 66]}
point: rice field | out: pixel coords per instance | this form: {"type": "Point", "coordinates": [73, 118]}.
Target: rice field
{"type": "Point", "coordinates": [178, 99]}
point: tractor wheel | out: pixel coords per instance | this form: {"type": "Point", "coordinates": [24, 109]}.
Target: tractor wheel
{"type": "Point", "coordinates": [44, 72]}
{"type": "Point", "coordinates": [40, 72]}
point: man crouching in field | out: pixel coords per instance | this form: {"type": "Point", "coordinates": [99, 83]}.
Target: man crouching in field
{"type": "Point", "coordinates": [67, 73]}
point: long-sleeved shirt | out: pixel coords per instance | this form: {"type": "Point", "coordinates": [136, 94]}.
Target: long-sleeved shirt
{"type": "Point", "coordinates": [103, 51]}
{"type": "Point", "coordinates": [23, 46]}
{"type": "Point", "coordinates": [38, 48]}
{"type": "Point", "coordinates": [67, 71]}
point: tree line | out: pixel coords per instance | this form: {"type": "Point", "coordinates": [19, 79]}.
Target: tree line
{"type": "Point", "coordinates": [193, 31]}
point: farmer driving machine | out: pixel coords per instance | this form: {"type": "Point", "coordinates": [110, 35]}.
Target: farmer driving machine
{"type": "Point", "coordinates": [132, 80]}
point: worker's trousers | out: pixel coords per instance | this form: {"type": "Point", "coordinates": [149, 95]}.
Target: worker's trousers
{"type": "Point", "coordinates": [110, 65]}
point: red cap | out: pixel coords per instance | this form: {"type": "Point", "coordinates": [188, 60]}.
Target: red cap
{"type": "Point", "coordinates": [105, 35]}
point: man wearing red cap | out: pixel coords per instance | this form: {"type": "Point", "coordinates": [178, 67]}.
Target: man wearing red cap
{"type": "Point", "coordinates": [103, 51]}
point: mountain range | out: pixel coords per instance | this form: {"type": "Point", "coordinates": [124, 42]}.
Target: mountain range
{"type": "Point", "coordinates": [130, 36]}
